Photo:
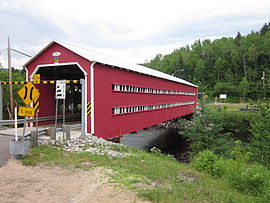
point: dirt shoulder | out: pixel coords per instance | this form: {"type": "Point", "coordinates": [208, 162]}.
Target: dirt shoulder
{"type": "Point", "coordinates": [19, 183]}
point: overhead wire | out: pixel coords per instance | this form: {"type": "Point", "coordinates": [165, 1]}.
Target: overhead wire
{"type": "Point", "coordinates": [20, 7]}
{"type": "Point", "coordinates": [3, 50]}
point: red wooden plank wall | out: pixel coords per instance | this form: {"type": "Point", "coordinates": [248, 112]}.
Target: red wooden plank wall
{"type": "Point", "coordinates": [108, 125]}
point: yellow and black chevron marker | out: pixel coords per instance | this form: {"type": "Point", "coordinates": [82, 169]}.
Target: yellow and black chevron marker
{"type": "Point", "coordinates": [41, 82]}
{"type": "Point", "coordinates": [36, 104]}
{"type": "Point", "coordinates": [88, 108]}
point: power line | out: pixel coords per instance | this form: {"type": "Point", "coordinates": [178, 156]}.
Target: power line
{"type": "Point", "coordinates": [21, 52]}
{"type": "Point", "coordinates": [20, 7]}
{"type": "Point", "coordinates": [3, 50]}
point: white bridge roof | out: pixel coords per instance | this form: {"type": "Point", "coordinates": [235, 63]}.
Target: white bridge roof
{"type": "Point", "coordinates": [92, 55]}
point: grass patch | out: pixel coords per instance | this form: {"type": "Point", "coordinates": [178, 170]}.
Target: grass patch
{"type": "Point", "coordinates": [156, 177]}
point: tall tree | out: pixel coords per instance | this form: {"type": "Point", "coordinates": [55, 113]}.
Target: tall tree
{"type": "Point", "coordinates": [228, 60]}
{"type": "Point", "coordinates": [221, 66]}
{"type": "Point", "coordinates": [243, 87]}
{"type": "Point", "coordinates": [199, 72]}
{"type": "Point", "coordinates": [265, 28]}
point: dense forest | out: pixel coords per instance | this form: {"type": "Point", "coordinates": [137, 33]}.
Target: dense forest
{"type": "Point", "coordinates": [17, 75]}
{"type": "Point", "coordinates": [238, 67]}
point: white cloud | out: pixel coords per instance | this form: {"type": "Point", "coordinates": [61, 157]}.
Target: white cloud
{"type": "Point", "coordinates": [137, 30]}
{"type": "Point", "coordinates": [122, 20]}
{"type": "Point", "coordinates": [138, 55]}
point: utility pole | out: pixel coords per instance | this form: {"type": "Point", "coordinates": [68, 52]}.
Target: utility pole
{"type": "Point", "coordinates": [10, 80]}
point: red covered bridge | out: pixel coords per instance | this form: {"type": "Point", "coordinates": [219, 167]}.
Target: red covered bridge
{"type": "Point", "coordinates": [124, 97]}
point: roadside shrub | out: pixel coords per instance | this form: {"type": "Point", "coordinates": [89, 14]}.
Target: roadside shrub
{"type": "Point", "coordinates": [239, 154]}
{"type": "Point", "coordinates": [236, 122]}
{"type": "Point", "coordinates": [205, 132]}
{"type": "Point", "coordinates": [260, 135]}
{"type": "Point", "coordinates": [251, 179]}
{"type": "Point", "coordinates": [209, 162]}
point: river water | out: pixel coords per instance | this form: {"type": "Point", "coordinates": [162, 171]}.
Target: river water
{"type": "Point", "coordinates": [167, 140]}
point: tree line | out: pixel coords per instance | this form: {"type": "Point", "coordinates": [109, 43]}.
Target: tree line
{"type": "Point", "coordinates": [17, 75]}
{"type": "Point", "coordinates": [238, 67]}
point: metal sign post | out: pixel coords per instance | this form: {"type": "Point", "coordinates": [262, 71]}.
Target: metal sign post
{"type": "Point", "coordinates": [55, 124]}
{"type": "Point", "coordinates": [16, 123]}
{"type": "Point", "coordinates": [64, 127]}
{"type": "Point", "coordinates": [60, 93]}
{"type": "Point", "coordinates": [24, 126]}
{"type": "Point", "coordinates": [36, 123]}
{"type": "Point", "coordinates": [36, 107]}
{"type": "Point", "coordinates": [83, 107]}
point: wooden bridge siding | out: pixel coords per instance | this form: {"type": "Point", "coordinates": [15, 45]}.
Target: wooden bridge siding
{"type": "Point", "coordinates": [108, 125]}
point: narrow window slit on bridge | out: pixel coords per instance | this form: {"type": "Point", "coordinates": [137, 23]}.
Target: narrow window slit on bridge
{"type": "Point", "coordinates": [131, 109]}
{"type": "Point", "coordinates": [128, 88]}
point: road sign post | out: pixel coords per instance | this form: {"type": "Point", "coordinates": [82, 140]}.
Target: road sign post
{"type": "Point", "coordinates": [55, 124]}
{"type": "Point", "coordinates": [60, 93]}
{"type": "Point", "coordinates": [27, 93]}
{"type": "Point", "coordinates": [16, 124]}
{"type": "Point", "coordinates": [24, 126]}
{"type": "Point", "coordinates": [64, 127]}
{"type": "Point", "coordinates": [36, 107]}
{"type": "Point", "coordinates": [83, 108]}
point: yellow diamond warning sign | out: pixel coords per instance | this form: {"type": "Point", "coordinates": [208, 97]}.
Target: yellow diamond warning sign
{"type": "Point", "coordinates": [28, 93]}
{"type": "Point", "coordinates": [26, 111]}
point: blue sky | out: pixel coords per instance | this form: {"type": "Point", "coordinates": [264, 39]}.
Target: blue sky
{"type": "Point", "coordinates": [133, 30]}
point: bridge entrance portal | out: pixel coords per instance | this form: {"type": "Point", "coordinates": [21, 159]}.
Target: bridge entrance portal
{"type": "Point", "coordinates": [73, 101]}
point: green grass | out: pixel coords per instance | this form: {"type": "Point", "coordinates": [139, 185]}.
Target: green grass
{"type": "Point", "coordinates": [154, 176]}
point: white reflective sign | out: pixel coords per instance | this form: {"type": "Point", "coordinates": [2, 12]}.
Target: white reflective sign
{"type": "Point", "coordinates": [223, 96]}
{"type": "Point", "coordinates": [60, 89]}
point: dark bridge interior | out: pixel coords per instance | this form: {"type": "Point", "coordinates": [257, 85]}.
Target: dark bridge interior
{"type": "Point", "coordinates": [73, 91]}
{"type": "Point", "coordinates": [69, 72]}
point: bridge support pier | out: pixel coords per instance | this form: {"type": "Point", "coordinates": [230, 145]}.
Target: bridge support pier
{"type": "Point", "coordinates": [117, 139]}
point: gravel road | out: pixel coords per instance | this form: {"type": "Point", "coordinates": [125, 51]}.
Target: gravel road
{"type": "Point", "coordinates": [4, 149]}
